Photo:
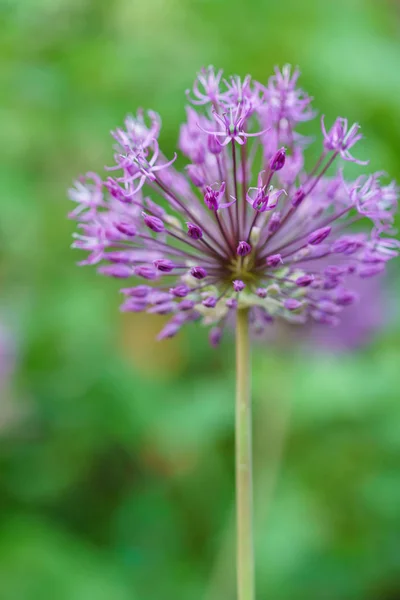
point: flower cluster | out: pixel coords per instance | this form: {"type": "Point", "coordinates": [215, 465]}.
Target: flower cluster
{"type": "Point", "coordinates": [243, 225]}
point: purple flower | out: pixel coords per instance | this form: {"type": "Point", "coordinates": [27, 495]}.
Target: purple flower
{"type": "Point", "coordinates": [212, 198]}
{"type": "Point", "coordinates": [299, 261]}
{"type": "Point", "coordinates": [263, 199]}
{"type": "Point", "coordinates": [206, 87]}
{"type": "Point", "coordinates": [340, 139]}
{"type": "Point", "coordinates": [231, 125]}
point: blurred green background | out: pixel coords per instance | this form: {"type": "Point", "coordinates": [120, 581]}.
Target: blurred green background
{"type": "Point", "coordinates": [116, 472]}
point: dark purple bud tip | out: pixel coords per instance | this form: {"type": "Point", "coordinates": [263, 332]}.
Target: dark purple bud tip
{"type": "Point", "coordinates": [194, 231]}
{"type": "Point", "coordinates": [291, 304]}
{"type": "Point", "coordinates": [215, 336]}
{"type": "Point", "coordinates": [298, 197]}
{"type": "Point", "coordinates": [238, 285]}
{"type": "Point", "coordinates": [126, 228]}
{"type": "Point", "coordinates": [274, 260]}
{"type": "Point", "coordinates": [318, 236]}
{"type": "Point", "coordinates": [261, 292]}
{"type": "Point", "coordinates": [213, 144]}
{"type": "Point", "coordinates": [153, 223]}
{"type": "Point", "coordinates": [243, 249]}
{"type": "Point", "coordinates": [304, 280]}
{"type": "Point", "coordinates": [278, 160]}
{"type": "Point", "coordinates": [198, 272]}
{"type": "Point", "coordinates": [164, 265]}
{"type": "Point", "coordinates": [180, 291]}
{"type": "Point", "coordinates": [210, 302]}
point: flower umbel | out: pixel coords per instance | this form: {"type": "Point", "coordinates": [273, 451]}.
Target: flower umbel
{"type": "Point", "coordinates": [243, 225]}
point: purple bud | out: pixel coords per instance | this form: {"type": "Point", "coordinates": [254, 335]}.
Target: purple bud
{"type": "Point", "coordinates": [164, 265]}
{"type": "Point", "coordinates": [328, 307]}
{"type": "Point", "coordinates": [304, 280]}
{"type": "Point", "coordinates": [267, 318]}
{"type": "Point", "coordinates": [318, 236]}
{"type": "Point", "coordinates": [238, 285]}
{"type": "Point", "coordinates": [119, 257]}
{"type": "Point", "coordinates": [186, 304]}
{"type": "Point", "coordinates": [198, 155]}
{"type": "Point", "coordinates": [231, 303]}
{"type": "Point", "coordinates": [125, 228]}
{"type": "Point", "coordinates": [261, 292]}
{"type": "Point", "coordinates": [278, 160]}
{"type": "Point", "coordinates": [324, 318]}
{"type": "Point", "coordinates": [335, 271]}
{"type": "Point", "coordinates": [291, 304]}
{"type": "Point", "coordinates": [298, 197]}
{"type": "Point", "coordinates": [274, 260]}
{"type": "Point", "coordinates": [196, 175]}
{"type": "Point", "coordinates": [158, 297]}
{"type": "Point", "coordinates": [118, 271]}
{"type": "Point", "coordinates": [371, 271]}
{"type": "Point", "coordinates": [153, 223]}
{"type": "Point", "coordinates": [215, 336]}
{"type": "Point", "coordinates": [243, 249]}
{"type": "Point", "coordinates": [210, 302]}
{"type": "Point", "coordinates": [140, 291]}
{"type": "Point", "coordinates": [194, 231]}
{"type": "Point", "coordinates": [274, 223]}
{"type": "Point", "coordinates": [346, 297]}
{"type": "Point", "coordinates": [169, 331]}
{"type": "Point", "coordinates": [165, 308]}
{"type": "Point", "coordinates": [133, 305]}
{"type": "Point", "coordinates": [213, 144]}
{"type": "Point", "coordinates": [180, 291]}
{"type": "Point", "coordinates": [198, 272]}
{"type": "Point", "coordinates": [146, 272]}
{"type": "Point", "coordinates": [331, 283]}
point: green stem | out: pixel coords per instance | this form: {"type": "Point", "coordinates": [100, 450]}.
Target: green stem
{"type": "Point", "coordinates": [244, 491]}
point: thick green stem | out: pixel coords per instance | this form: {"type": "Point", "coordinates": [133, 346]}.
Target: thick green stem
{"type": "Point", "coordinates": [244, 485]}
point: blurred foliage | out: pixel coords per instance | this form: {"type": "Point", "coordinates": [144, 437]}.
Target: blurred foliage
{"type": "Point", "coordinates": [116, 474]}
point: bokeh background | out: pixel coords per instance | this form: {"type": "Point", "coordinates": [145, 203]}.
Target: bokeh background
{"type": "Point", "coordinates": [116, 471]}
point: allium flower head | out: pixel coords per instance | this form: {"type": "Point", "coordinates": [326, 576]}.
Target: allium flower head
{"type": "Point", "coordinates": [243, 225]}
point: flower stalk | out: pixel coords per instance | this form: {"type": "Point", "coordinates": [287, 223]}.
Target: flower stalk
{"type": "Point", "coordinates": [244, 476]}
